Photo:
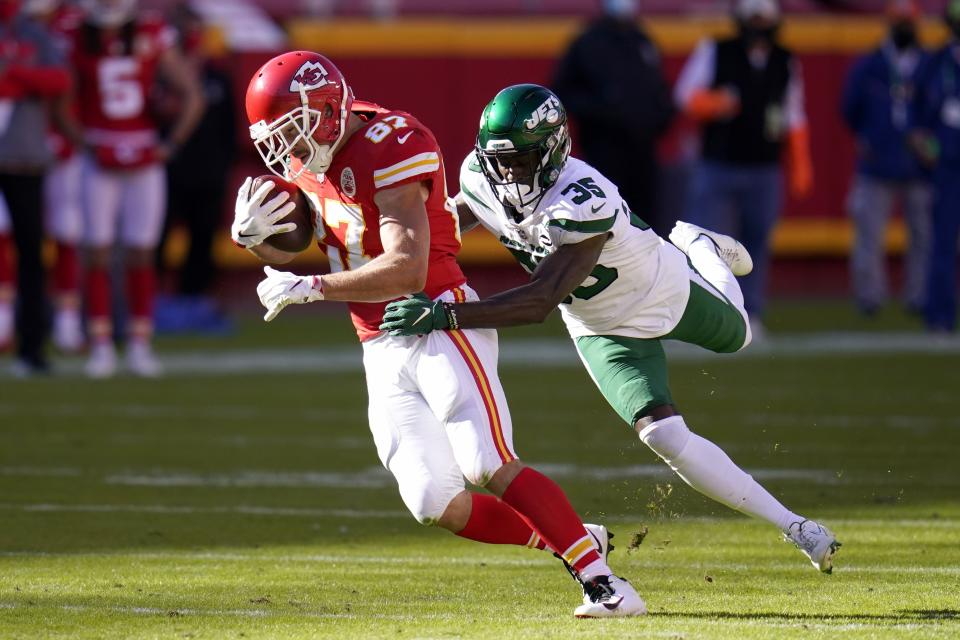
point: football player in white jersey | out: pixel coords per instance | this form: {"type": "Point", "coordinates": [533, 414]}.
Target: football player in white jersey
{"type": "Point", "coordinates": [621, 291]}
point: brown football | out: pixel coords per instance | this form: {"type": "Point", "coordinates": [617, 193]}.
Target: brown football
{"type": "Point", "coordinates": [301, 237]}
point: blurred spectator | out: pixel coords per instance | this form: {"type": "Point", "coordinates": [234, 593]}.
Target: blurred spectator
{"type": "Point", "coordinates": [936, 139]}
{"type": "Point", "coordinates": [31, 73]}
{"type": "Point", "coordinates": [196, 182]}
{"type": "Point", "coordinates": [611, 82]}
{"type": "Point", "coordinates": [63, 216]}
{"type": "Point", "coordinates": [6, 276]}
{"type": "Point", "coordinates": [747, 92]}
{"type": "Point", "coordinates": [116, 56]}
{"type": "Point", "coordinates": [875, 106]}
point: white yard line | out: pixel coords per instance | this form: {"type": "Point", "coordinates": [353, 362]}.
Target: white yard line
{"type": "Point", "coordinates": [370, 478]}
{"type": "Point", "coordinates": [376, 477]}
{"type": "Point", "coordinates": [540, 353]}
{"type": "Point", "coordinates": [536, 559]}
{"type": "Point", "coordinates": [305, 512]}
{"type": "Point", "coordinates": [162, 509]}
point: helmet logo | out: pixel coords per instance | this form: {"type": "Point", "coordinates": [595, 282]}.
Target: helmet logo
{"type": "Point", "coordinates": [311, 75]}
{"type": "Point", "coordinates": [348, 183]}
{"type": "Point", "coordinates": [499, 145]}
{"type": "Point", "coordinates": [547, 111]}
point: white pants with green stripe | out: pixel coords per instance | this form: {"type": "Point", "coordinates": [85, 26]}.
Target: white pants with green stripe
{"type": "Point", "coordinates": [437, 412]}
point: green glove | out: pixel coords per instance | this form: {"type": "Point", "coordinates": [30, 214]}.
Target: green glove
{"type": "Point", "coordinates": [416, 316]}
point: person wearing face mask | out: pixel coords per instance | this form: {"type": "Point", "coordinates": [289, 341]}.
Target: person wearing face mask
{"type": "Point", "coordinates": [746, 92]}
{"type": "Point", "coordinates": [32, 73]}
{"type": "Point", "coordinates": [875, 106]}
{"type": "Point", "coordinates": [611, 81]}
{"type": "Point", "coordinates": [935, 137]}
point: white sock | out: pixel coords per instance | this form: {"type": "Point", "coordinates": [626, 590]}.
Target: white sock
{"type": "Point", "coordinates": [705, 467]}
{"type": "Point", "coordinates": [596, 568]}
{"type": "Point", "coordinates": [703, 255]}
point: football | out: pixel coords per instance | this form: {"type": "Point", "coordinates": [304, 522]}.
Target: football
{"type": "Point", "coordinates": [301, 237]}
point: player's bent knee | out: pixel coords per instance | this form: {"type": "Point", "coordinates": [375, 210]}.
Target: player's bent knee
{"type": "Point", "coordinates": [428, 503]}
{"type": "Point", "coordinates": [667, 437]}
{"type": "Point", "coordinates": [481, 474]}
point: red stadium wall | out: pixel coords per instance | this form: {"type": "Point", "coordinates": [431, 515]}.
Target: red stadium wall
{"type": "Point", "coordinates": [445, 71]}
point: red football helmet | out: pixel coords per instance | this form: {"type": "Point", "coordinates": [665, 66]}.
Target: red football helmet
{"type": "Point", "coordinates": [298, 97]}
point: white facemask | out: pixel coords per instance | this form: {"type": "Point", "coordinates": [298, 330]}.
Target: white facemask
{"type": "Point", "coordinates": [515, 194]}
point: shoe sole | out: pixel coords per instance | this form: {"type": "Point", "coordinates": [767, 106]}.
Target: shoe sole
{"type": "Point", "coordinates": [741, 270]}
{"type": "Point", "coordinates": [709, 235]}
{"type": "Point", "coordinates": [827, 558]}
{"type": "Point", "coordinates": [590, 616]}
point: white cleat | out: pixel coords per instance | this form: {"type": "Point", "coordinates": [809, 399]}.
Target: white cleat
{"type": "Point", "coordinates": [816, 541]}
{"type": "Point", "coordinates": [68, 331]}
{"type": "Point", "coordinates": [610, 597]}
{"type": "Point", "coordinates": [102, 362]}
{"type": "Point", "coordinates": [141, 361]}
{"type": "Point", "coordinates": [730, 251]}
{"type": "Point", "coordinates": [601, 539]}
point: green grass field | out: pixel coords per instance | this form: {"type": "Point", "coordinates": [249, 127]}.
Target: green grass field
{"type": "Point", "coordinates": [252, 505]}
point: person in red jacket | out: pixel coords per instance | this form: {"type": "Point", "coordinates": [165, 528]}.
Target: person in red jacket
{"type": "Point", "coordinates": [31, 74]}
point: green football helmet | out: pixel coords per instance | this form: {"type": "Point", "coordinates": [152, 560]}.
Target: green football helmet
{"type": "Point", "coordinates": [523, 144]}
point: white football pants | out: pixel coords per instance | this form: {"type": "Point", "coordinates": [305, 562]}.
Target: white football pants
{"type": "Point", "coordinates": [438, 412]}
{"type": "Point", "coordinates": [129, 202]}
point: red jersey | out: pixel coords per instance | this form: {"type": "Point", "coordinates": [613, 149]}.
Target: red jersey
{"type": "Point", "coordinates": [392, 149]}
{"type": "Point", "coordinates": [115, 73]}
{"type": "Point", "coordinates": [66, 19]}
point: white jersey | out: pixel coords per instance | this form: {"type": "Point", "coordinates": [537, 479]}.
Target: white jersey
{"type": "Point", "coordinates": [640, 285]}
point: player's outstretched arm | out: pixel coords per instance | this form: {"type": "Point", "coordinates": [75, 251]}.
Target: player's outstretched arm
{"type": "Point", "coordinates": [555, 278]}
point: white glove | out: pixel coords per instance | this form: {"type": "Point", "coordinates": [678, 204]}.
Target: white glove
{"type": "Point", "coordinates": [281, 288]}
{"type": "Point", "coordinates": [254, 221]}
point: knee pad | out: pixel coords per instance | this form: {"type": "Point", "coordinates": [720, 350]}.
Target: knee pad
{"type": "Point", "coordinates": [426, 498]}
{"type": "Point", "coordinates": [480, 474]}
{"type": "Point", "coordinates": [427, 503]}
{"type": "Point", "coordinates": [667, 438]}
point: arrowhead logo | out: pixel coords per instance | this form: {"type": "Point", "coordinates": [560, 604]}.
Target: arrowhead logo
{"type": "Point", "coordinates": [310, 75]}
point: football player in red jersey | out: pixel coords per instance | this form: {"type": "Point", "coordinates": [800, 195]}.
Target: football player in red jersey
{"type": "Point", "coordinates": [375, 182]}
{"type": "Point", "coordinates": [116, 55]}
{"type": "Point", "coordinates": [7, 290]}
{"type": "Point", "coordinates": [63, 217]}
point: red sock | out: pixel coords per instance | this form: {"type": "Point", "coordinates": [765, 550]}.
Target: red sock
{"type": "Point", "coordinates": [141, 289]}
{"type": "Point", "coordinates": [6, 260]}
{"type": "Point", "coordinates": [494, 522]}
{"type": "Point", "coordinates": [541, 501]}
{"type": "Point", "coordinates": [66, 271]}
{"type": "Point", "coordinates": [98, 302]}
